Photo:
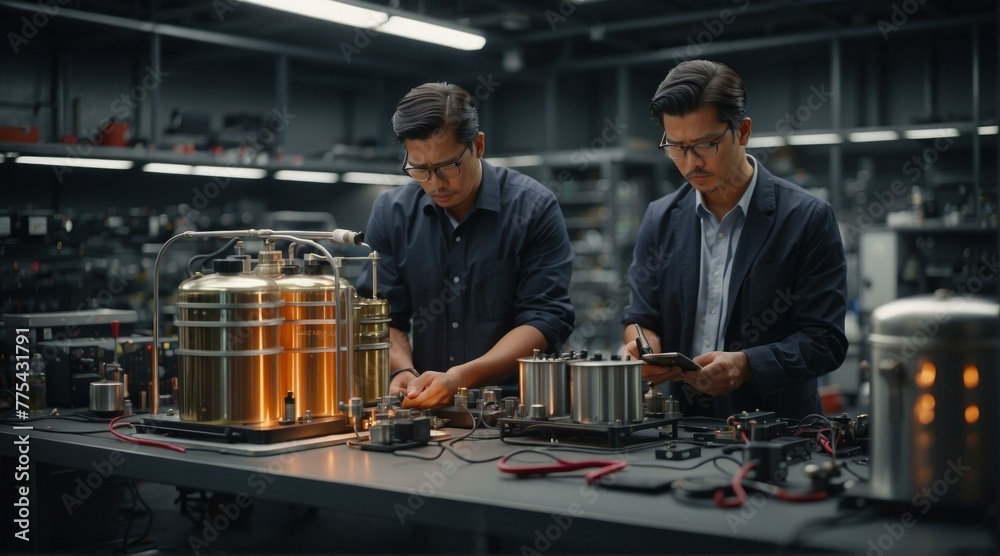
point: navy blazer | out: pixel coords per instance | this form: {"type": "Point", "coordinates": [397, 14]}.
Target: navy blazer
{"type": "Point", "coordinates": [787, 295]}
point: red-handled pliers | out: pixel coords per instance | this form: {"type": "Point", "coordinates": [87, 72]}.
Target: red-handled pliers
{"type": "Point", "coordinates": [604, 467]}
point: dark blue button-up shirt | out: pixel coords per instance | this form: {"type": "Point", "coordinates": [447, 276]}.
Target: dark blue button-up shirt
{"type": "Point", "coordinates": [463, 288]}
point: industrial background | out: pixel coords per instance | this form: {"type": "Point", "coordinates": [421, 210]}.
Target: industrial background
{"type": "Point", "coordinates": [886, 109]}
{"type": "Point", "coordinates": [124, 123]}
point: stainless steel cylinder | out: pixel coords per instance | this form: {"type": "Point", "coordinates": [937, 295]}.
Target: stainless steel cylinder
{"type": "Point", "coordinates": [935, 388]}
{"type": "Point", "coordinates": [606, 392]}
{"type": "Point", "coordinates": [229, 349]}
{"type": "Point", "coordinates": [316, 339]}
{"type": "Point", "coordinates": [545, 381]}
{"type": "Point", "coordinates": [371, 349]}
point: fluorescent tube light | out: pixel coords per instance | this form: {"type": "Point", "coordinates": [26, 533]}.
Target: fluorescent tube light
{"type": "Point", "coordinates": [765, 142]}
{"type": "Point", "coordinates": [375, 179]}
{"type": "Point", "coordinates": [525, 160]}
{"type": "Point", "coordinates": [103, 163]}
{"type": "Point", "coordinates": [988, 129]}
{"type": "Point", "coordinates": [429, 32]}
{"type": "Point", "coordinates": [302, 175]}
{"type": "Point", "coordinates": [815, 139]}
{"type": "Point", "coordinates": [931, 133]}
{"type": "Point", "coordinates": [498, 161]}
{"type": "Point", "coordinates": [228, 172]}
{"type": "Point", "coordinates": [162, 168]}
{"type": "Point", "coordinates": [328, 10]}
{"type": "Point", "coordinates": [871, 136]}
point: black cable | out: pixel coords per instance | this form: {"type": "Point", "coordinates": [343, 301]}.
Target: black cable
{"type": "Point", "coordinates": [852, 472]}
{"type": "Point", "coordinates": [209, 256]}
{"type": "Point", "coordinates": [844, 518]}
{"type": "Point", "coordinates": [695, 466]}
{"type": "Point", "coordinates": [136, 497]}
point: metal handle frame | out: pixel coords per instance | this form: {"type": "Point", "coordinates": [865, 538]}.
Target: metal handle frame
{"type": "Point", "coordinates": [298, 236]}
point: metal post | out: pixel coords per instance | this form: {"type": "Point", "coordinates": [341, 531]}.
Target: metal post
{"type": "Point", "coordinates": [154, 93]}
{"type": "Point", "coordinates": [836, 151]}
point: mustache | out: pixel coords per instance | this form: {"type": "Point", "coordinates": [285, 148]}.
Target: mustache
{"type": "Point", "coordinates": [698, 173]}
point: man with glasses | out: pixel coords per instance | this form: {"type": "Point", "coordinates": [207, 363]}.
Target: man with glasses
{"type": "Point", "coordinates": [740, 269]}
{"type": "Point", "coordinates": [476, 259]}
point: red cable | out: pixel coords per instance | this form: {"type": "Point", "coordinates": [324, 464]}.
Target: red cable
{"type": "Point", "coordinates": [142, 441]}
{"type": "Point", "coordinates": [741, 494]}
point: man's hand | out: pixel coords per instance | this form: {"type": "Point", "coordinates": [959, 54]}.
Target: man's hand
{"type": "Point", "coordinates": [721, 372]}
{"type": "Point", "coordinates": [430, 390]}
{"type": "Point", "coordinates": [400, 383]}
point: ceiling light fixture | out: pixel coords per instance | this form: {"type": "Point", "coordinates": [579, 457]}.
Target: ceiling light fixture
{"type": "Point", "coordinates": [102, 163]}
{"type": "Point", "coordinates": [356, 14]}
{"type": "Point", "coordinates": [302, 175]}
{"type": "Point", "coordinates": [871, 136]}
{"type": "Point", "coordinates": [328, 10]}
{"type": "Point", "coordinates": [765, 142]}
{"type": "Point", "coordinates": [931, 133]}
{"type": "Point", "coordinates": [815, 139]}
{"type": "Point", "coordinates": [988, 129]}
{"type": "Point", "coordinates": [375, 179]}
{"type": "Point", "coordinates": [432, 33]}
{"type": "Point", "coordinates": [228, 172]}
{"type": "Point", "coordinates": [163, 168]}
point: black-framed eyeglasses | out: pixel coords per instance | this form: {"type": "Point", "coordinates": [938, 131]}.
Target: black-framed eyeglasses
{"type": "Point", "coordinates": [444, 171]}
{"type": "Point", "coordinates": [701, 150]}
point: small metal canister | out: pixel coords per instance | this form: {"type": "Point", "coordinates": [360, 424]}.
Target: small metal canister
{"type": "Point", "coordinates": [606, 392]}
{"type": "Point", "coordinates": [371, 349]}
{"type": "Point", "coordinates": [544, 379]}
{"type": "Point", "coordinates": [935, 386]}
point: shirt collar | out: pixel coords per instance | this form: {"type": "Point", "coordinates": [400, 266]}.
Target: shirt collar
{"type": "Point", "coordinates": [744, 202]}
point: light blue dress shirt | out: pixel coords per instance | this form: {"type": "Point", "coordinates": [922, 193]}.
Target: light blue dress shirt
{"type": "Point", "coordinates": [719, 241]}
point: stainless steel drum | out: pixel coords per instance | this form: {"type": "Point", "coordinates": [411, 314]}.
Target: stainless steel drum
{"type": "Point", "coordinates": [371, 349]}
{"type": "Point", "coordinates": [312, 334]}
{"type": "Point", "coordinates": [545, 380]}
{"type": "Point", "coordinates": [227, 328]}
{"type": "Point", "coordinates": [935, 386]}
{"type": "Point", "coordinates": [606, 392]}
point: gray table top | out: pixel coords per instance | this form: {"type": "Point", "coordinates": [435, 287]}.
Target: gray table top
{"type": "Point", "coordinates": [449, 492]}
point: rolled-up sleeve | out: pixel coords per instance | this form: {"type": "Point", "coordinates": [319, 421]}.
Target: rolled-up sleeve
{"type": "Point", "coordinates": [542, 299]}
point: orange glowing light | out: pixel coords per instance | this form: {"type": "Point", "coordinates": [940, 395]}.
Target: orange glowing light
{"type": "Point", "coordinates": [925, 377]}
{"type": "Point", "coordinates": [924, 409]}
{"type": "Point", "coordinates": [971, 413]}
{"type": "Point", "coordinates": [971, 377]}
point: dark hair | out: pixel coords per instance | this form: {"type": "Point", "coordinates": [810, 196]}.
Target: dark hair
{"type": "Point", "coordinates": [696, 83]}
{"type": "Point", "coordinates": [434, 107]}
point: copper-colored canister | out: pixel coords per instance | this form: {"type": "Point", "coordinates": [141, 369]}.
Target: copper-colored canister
{"type": "Point", "coordinates": [371, 349]}
{"type": "Point", "coordinates": [227, 327]}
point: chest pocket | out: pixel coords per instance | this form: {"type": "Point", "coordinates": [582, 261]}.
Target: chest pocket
{"type": "Point", "coordinates": [494, 290]}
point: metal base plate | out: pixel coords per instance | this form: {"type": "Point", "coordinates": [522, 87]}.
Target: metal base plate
{"type": "Point", "coordinates": [258, 433]}
{"type": "Point", "coordinates": [565, 431]}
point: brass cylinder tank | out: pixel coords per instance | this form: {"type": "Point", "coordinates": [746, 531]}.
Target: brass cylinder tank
{"type": "Point", "coordinates": [229, 349]}
{"type": "Point", "coordinates": [313, 333]}
{"type": "Point", "coordinates": [371, 349]}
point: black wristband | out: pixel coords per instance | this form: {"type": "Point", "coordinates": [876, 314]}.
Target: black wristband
{"type": "Point", "coordinates": [393, 374]}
